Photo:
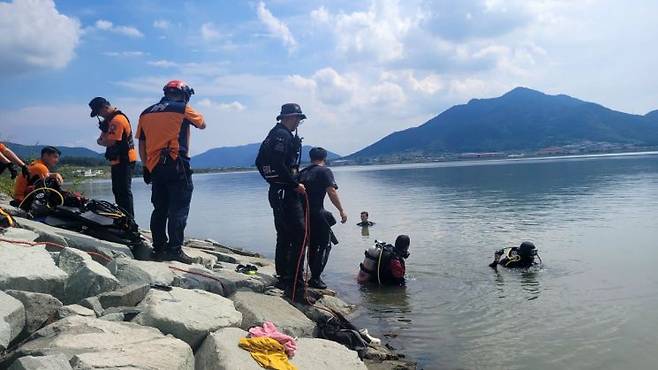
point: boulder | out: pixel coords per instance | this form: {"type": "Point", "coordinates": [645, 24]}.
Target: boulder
{"type": "Point", "coordinates": [257, 283]}
{"type": "Point", "coordinates": [73, 239]}
{"type": "Point", "coordinates": [199, 277]}
{"type": "Point", "coordinates": [257, 308]}
{"type": "Point", "coordinates": [200, 257]}
{"type": "Point", "coordinates": [86, 277]}
{"type": "Point", "coordinates": [90, 343]}
{"type": "Point", "coordinates": [130, 272]}
{"type": "Point", "coordinates": [12, 319]}
{"type": "Point", "coordinates": [220, 351]}
{"type": "Point", "coordinates": [321, 354]}
{"type": "Point", "coordinates": [129, 295]}
{"type": "Point", "coordinates": [93, 304]}
{"type": "Point", "coordinates": [39, 308]}
{"type": "Point", "coordinates": [15, 233]}
{"type": "Point", "coordinates": [52, 362]}
{"type": "Point", "coordinates": [117, 316]}
{"type": "Point", "coordinates": [30, 269]}
{"type": "Point", "coordinates": [75, 310]}
{"type": "Point", "coordinates": [129, 313]}
{"type": "Point", "coordinates": [187, 314]}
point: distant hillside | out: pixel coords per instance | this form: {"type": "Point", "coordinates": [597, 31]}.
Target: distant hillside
{"type": "Point", "coordinates": [238, 156]}
{"type": "Point", "coordinates": [521, 120]}
{"type": "Point", "coordinates": [34, 151]}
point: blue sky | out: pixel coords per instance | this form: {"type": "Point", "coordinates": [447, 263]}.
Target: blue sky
{"type": "Point", "coordinates": [360, 69]}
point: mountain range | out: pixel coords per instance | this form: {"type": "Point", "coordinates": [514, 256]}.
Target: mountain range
{"type": "Point", "coordinates": [519, 121]}
{"type": "Point", "coordinates": [34, 151]}
{"type": "Point", "coordinates": [239, 156]}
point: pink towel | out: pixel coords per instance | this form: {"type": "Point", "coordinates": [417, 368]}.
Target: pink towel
{"type": "Point", "coordinates": [269, 330]}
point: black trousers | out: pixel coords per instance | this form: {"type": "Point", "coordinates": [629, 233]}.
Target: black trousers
{"type": "Point", "coordinates": [320, 244]}
{"type": "Point", "coordinates": [171, 195]}
{"type": "Point", "coordinates": [287, 207]}
{"type": "Point", "coordinates": [122, 179]}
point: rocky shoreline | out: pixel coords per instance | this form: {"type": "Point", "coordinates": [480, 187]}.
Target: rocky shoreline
{"type": "Point", "coordinates": [69, 301]}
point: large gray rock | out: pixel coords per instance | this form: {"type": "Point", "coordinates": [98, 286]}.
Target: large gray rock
{"type": "Point", "coordinates": [52, 362]}
{"type": "Point", "coordinates": [130, 271]}
{"type": "Point", "coordinates": [46, 233]}
{"type": "Point", "coordinates": [257, 308]}
{"type": "Point", "coordinates": [187, 314]}
{"type": "Point", "coordinates": [75, 310]}
{"type": "Point", "coordinates": [201, 257]}
{"type": "Point", "coordinates": [40, 308]}
{"type": "Point", "coordinates": [98, 344]}
{"type": "Point", "coordinates": [129, 295]}
{"type": "Point", "coordinates": [75, 240]}
{"type": "Point", "coordinates": [321, 354]}
{"type": "Point", "coordinates": [18, 234]}
{"type": "Point", "coordinates": [86, 277]}
{"type": "Point", "coordinates": [30, 269]}
{"type": "Point", "coordinates": [257, 283]}
{"type": "Point", "coordinates": [220, 351]}
{"type": "Point", "coordinates": [93, 304]}
{"type": "Point", "coordinates": [12, 319]}
{"type": "Point", "coordinates": [198, 277]}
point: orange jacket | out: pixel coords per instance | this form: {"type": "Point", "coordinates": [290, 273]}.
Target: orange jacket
{"type": "Point", "coordinates": [23, 185]}
{"type": "Point", "coordinates": [166, 125]}
{"type": "Point", "coordinates": [119, 129]}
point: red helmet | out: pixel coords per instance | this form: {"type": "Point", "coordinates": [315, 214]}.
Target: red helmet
{"type": "Point", "coordinates": [179, 86]}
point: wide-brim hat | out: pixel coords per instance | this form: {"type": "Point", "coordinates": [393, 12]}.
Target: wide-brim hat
{"type": "Point", "coordinates": [96, 104]}
{"type": "Point", "coordinates": [290, 110]}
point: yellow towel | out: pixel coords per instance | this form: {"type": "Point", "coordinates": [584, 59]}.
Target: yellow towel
{"type": "Point", "coordinates": [269, 353]}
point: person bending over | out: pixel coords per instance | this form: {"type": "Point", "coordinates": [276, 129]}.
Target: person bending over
{"type": "Point", "coordinates": [36, 171]}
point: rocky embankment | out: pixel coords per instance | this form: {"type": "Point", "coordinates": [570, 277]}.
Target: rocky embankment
{"type": "Point", "coordinates": [69, 301]}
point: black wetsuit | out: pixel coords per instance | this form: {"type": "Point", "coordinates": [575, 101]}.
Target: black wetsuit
{"type": "Point", "coordinates": [277, 162]}
{"type": "Point", "coordinates": [317, 179]}
{"type": "Point", "coordinates": [510, 257]}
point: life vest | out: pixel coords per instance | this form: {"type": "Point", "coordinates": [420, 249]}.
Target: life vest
{"type": "Point", "coordinates": [292, 155]}
{"type": "Point", "coordinates": [120, 149]}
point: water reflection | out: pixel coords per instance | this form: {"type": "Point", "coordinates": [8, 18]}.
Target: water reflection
{"type": "Point", "coordinates": [365, 231]}
{"type": "Point", "coordinates": [518, 280]}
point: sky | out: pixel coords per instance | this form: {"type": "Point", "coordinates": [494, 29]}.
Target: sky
{"type": "Point", "coordinates": [359, 69]}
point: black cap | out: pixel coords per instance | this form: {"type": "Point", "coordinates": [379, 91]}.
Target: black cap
{"type": "Point", "coordinates": [96, 104]}
{"type": "Point", "coordinates": [291, 109]}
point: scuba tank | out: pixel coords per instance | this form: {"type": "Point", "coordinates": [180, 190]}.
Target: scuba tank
{"type": "Point", "coordinates": [371, 260]}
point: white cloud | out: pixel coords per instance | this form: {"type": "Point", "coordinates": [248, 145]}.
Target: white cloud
{"type": "Point", "coordinates": [234, 106]}
{"type": "Point", "coordinates": [321, 15]}
{"type": "Point", "coordinates": [34, 35]}
{"type": "Point", "coordinates": [276, 27]}
{"type": "Point", "coordinates": [209, 32]}
{"type": "Point", "coordinates": [105, 25]}
{"type": "Point", "coordinates": [162, 63]}
{"type": "Point", "coordinates": [126, 54]}
{"type": "Point", "coordinates": [161, 24]}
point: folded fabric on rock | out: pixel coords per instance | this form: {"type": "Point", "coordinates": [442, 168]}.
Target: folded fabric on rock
{"type": "Point", "coordinates": [270, 330]}
{"type": "Point", "coordinates": [267, 352]}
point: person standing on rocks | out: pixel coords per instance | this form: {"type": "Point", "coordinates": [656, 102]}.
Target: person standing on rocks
{"type": "Point", "coordinates": [164, 141]}
{"type": "Point", "coordinates": [117, 138]}
{"type": "Point", "coordinates": [319, 181]}
{"type": "Point", "coordinates": [278, 162]}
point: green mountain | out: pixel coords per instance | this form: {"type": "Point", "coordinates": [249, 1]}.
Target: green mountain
{"type": "Point", "coordinates": [238, 156]}
{"type": "Point", "coordinates": [34, 151]}
{"type": "Point", "coordinates": [522, 120]}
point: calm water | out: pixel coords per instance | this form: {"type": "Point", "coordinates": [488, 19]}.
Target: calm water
{"type": "Point", "coordinates": [593, 305]}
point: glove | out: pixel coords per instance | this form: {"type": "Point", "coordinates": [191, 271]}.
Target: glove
{"type": "Point", "coordinates": [12, 170]}
{"type": "Point", "coordinates": [147, 176]}
{"type": "Point", "coordinates": [25, 171]}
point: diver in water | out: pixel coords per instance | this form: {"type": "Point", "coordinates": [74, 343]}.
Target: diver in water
{"type": "Point", "coordinates": [522, 256]}
{"type": "Point", "coordinates": [385, 264]}
{"type": "Point", "coordinates": [364, 220]}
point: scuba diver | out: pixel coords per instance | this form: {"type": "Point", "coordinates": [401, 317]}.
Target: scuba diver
{"type": "Point", "coordinates": [278, 162]}
{"type": "Point", "coordinates": [364, 220]}
{"type": "Point", "coordinates": [522, 256]}
{"type": "Point", "coordinates": [384, 264]}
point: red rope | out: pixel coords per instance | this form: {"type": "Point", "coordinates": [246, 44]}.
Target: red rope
{"type": "Point", "coordinates": [303, 248]}
{"type": "Point", "coordinates": [34, 244]}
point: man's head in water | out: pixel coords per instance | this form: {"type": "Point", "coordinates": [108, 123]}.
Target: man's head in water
{"type": "Point", "coordinates": [527, 250]}
{"type": "Point", "coordinates": [364, 216]}
{"type": "Point", "coordinates": [402, 243]}
{"type": "Point", "coordinates": [50, 156]}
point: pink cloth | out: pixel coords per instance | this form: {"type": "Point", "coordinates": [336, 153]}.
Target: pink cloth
{"type": "Point", "coordinates": [269, 330]}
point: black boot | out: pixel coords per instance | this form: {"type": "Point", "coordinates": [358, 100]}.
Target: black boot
{"type": "Point", "coordinates": [179, 256]}
{"type": "Point", "coordinates": [159, 255]}
{"type": "Point", "coordinates": [317, 283]}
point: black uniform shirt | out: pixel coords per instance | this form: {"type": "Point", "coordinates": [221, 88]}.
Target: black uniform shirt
{"type": "Point", "coordinates": [317, 179]}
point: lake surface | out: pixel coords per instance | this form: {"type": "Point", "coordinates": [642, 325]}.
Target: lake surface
{"type": "Point", "coordinates": [593, 304]}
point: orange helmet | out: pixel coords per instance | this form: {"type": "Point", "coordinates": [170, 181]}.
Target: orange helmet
{"type": "Point", "coordinates": [179, 86]}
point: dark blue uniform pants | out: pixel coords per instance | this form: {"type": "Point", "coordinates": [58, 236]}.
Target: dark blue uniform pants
{"type": "Point", "coordinates": [288, 212]}
{"type": "Point", "coordinates": [122, 177]}
{"type": "Point", "coordinates": [171, 196]}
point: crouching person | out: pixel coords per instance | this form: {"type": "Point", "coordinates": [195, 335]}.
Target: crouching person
{"type": "Point", "coordinates": [38, 171]}
{"type": "Point", "coordinates": [384, 264]}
